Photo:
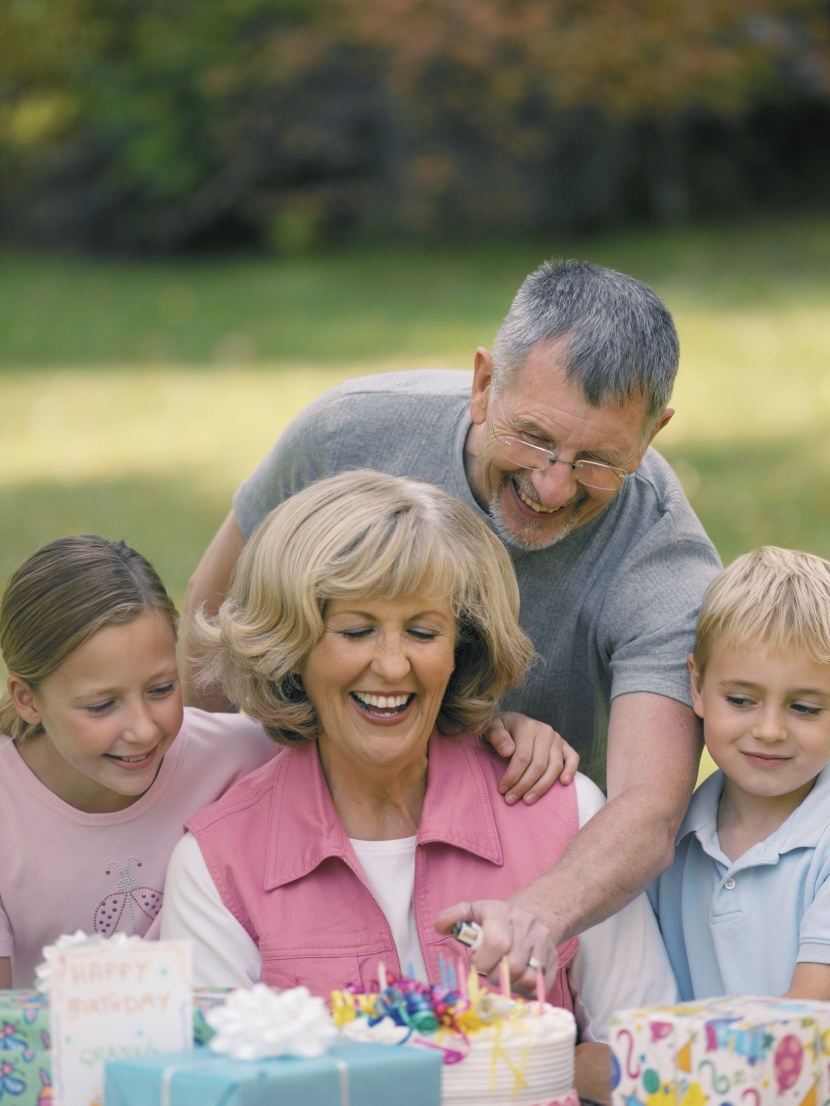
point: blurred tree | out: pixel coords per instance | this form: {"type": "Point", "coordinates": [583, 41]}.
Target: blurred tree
{"type": "Point", "coordinates": [602, 86]}
{"type": "Point", "coordinates": [156, 124]}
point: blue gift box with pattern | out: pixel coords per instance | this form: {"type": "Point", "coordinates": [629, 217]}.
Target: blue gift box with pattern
{"type": "Point", "coordinates": [349, 1074]}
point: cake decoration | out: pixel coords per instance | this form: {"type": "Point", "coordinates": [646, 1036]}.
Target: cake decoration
{"type": "Point", "coordinates": [496, 1049]}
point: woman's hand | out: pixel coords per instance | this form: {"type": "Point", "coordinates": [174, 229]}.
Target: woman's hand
{"type": "Point", "coordinates": [538, 756]}
{"type": "Point", "coordinates": [510, 931]}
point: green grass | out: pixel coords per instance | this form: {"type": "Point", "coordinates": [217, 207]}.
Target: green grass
{"type": "Point", "coordinates": [137, 396]}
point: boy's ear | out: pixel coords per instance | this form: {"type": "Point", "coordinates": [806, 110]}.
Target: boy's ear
{"type": "Point", "coordinates": [23, 700]}
{"type": "Point", "coordinates": [696, 680]}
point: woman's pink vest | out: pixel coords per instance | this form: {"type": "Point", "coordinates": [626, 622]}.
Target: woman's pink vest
{"type": "Point", "coordinates": [285, 869]}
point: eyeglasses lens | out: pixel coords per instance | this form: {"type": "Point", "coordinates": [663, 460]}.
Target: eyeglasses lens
{"type": "Point", "coordinates": [591, 475]}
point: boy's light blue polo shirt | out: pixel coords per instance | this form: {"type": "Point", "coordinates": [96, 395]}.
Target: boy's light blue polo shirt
{"type": "Point", "coordinates": [740, 928]}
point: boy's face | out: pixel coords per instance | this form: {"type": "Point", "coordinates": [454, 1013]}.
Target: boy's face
{"type": "Point", "coordinates": [766, 718]}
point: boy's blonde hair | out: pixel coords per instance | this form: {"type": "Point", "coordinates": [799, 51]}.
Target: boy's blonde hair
{"type": "Point", "coordinates": [363, 534]}
{"type": "Point", "coordinates": [776, 597]}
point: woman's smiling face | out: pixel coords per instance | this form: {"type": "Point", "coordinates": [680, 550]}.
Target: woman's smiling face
{"type": "Point", "coordinates": [377, 679]}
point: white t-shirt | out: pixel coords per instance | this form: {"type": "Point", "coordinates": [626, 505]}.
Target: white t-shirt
{"type": "Point", "coordinates": [620, 962]}
{"type": "Point", "coordinates": [389, 868]}
{"type": "Point", "coordinates": [62, 869]}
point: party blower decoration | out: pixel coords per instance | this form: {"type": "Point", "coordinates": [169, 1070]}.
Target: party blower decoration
{"type": "Point", "coordinates": [722, 1051]}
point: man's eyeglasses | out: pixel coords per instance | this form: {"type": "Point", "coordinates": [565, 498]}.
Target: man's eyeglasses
{"type": "Point", "coordinates": [592, 474]}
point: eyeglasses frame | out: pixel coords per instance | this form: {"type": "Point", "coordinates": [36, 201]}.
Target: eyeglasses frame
{"type": "Point", "coordinates": [552, 459]}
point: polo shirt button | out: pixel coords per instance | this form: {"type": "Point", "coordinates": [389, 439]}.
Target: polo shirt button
{"type": "Point", "coordinates": [730, 884]}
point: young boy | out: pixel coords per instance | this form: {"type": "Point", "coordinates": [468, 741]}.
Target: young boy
{"type": "Point", "coordinates": [745, 908]}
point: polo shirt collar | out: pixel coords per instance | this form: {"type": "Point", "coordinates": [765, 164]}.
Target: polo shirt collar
{"type": "Point", "coordinates": [801, 830]}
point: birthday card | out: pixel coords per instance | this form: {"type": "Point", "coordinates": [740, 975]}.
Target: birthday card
{"type": "Point", "coordinates": [113, 1003]}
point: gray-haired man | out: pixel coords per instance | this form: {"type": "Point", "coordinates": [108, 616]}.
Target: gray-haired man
{"type": "Point", "coordinates": [552, 444]}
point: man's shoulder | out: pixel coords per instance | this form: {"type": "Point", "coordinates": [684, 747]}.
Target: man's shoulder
{"type": "Point", "coordinates": [656, 511]}
{"type": "Point", "coordinates": [419, 383]}
{"type": "Point", "coordinates": [419, 393]}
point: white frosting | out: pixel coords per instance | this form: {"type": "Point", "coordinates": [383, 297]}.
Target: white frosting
{"type": "Point", "coordinates": [260, 1022]}
{"type": "Point", "coordinates": [525, 1061]}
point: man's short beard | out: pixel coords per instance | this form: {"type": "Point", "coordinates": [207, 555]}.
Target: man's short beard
{"type": "Point", "coordinates": [544, 540]}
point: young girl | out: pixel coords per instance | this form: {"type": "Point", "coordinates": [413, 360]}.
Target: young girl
{"type": "Point", "coordinates": [100, 765]}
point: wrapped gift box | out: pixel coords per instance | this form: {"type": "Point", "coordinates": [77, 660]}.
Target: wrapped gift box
{"type": "Point", "coordinates": [25, 1068]}
{"type": "Point", "coordinates": [25, 1060]}
{"type": "Point", "coordinates": [349, 1074]}
{"type": "Point", "coordinates": [203, 1001]}
{"type": "Point", "coordinates": [720, 1052]}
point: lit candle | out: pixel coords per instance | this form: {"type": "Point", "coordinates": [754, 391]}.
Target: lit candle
{"type": "Point", "coordinates": [382, 981]}
{"type": "Point", "coordinates": [462, 980]}
{"type": "Point", "coordinates": [505, 978]}
{"type": "Point", "coordinates": [442, 964]}
{"type": "Point", "coordinates": [472, 984]}
{"type": "Point", "coordinates": [540, 989]}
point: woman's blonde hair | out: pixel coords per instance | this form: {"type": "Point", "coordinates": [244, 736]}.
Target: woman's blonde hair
{"type": "Point", "coordinates": [776, 597]}
{"type": "Point", "coordinates": [59, 597]}
{"type": "Point", "coordinates": [363, 534]}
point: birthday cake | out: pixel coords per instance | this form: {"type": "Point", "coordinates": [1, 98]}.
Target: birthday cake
{"type": "Point", "coordinates": [497, 1051]}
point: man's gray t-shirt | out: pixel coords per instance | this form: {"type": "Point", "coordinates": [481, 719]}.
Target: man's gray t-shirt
{"type": "Point", "coordinates": [610, 608]}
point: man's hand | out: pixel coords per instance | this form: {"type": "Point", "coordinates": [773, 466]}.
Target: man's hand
{"type": "Point", "coordinates": [538, 757]}
{"type": "Point", "coordinates": [509, 931]}
{"type": "Point", "coordinates": [653, 753]}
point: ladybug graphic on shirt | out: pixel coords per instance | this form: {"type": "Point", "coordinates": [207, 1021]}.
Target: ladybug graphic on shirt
{"type": "Point", "coordinates": [130, 896]}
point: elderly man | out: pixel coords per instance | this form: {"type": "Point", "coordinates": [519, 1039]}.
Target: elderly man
{"type": "Point", "coordinates": [553, 445]}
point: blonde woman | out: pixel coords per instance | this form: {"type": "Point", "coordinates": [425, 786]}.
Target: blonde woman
{"type": "Point", "coordinates": [372, 628]}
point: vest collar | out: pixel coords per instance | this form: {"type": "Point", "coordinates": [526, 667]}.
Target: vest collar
{"type": "Point", "coordinates": [304, 829]}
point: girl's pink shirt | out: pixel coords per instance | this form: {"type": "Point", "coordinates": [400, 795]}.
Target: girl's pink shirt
{"type": "Point", "coordinates": [62, 869]}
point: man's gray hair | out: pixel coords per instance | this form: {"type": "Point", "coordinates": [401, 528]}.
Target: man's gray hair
{"type": "Point", "coordinates": [621, 339]}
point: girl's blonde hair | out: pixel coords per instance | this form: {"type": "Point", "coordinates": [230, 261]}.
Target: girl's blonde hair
{"type": "Point", "coordinates": [776, 597]}
{"type": "Point", "coordinates": [363, 534]}
{"type": "Point", "coordinates": [59, 597]}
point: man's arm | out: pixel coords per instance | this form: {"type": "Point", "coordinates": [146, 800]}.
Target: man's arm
{"type": "Point", "coordinates": [653, 752]}
{"type": "Point", "coordinates": [206, 589]}
{"type": "Point", "coordinates": [654, 747]}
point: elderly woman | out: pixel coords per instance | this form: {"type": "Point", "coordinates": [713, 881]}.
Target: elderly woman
{"type": "Point", "coordinates": [371, 627]}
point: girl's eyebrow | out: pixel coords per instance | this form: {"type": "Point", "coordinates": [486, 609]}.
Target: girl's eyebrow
{"type": "Point", "coordinates": [162, 676]}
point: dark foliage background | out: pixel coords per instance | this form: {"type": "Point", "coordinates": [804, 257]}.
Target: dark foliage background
{"type": "Point", "coordinates": [160, 125]}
